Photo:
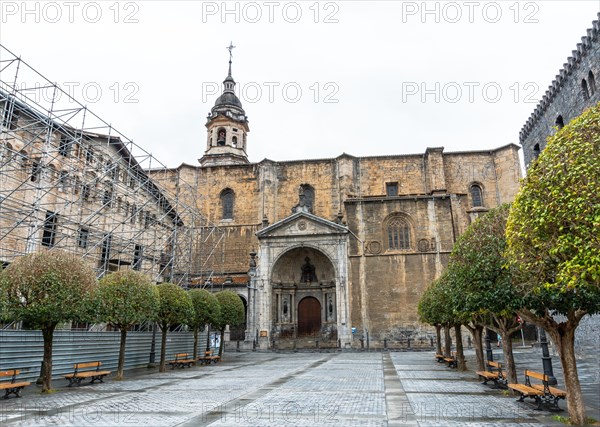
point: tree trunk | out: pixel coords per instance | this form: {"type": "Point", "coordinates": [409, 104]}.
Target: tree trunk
{"type": "Point", "coordinates": [163, 348]}
{"type": "Point", "coordinates": [207, 337]}
{"type": "Point", "coordinates": [121, 366]}
{"type": "Point", "coordinates": [222, 342]}
{"type": "Point", "coordinates": [48, 334]}
{"type": "Point", "coordinates": [461, 364]}
{"type": "Point", "coordinates": [438, 339]}
{"type": "Point", "coordinates": [509, 359]}
{"type": "Point", "coordinates": [477, 333]}
{"type": "Point", "coordinates": [564, 338]}
{"type": "Point", "coordinates": [447, 341]}
{"type": "Point", "coordinates": [196, 330]}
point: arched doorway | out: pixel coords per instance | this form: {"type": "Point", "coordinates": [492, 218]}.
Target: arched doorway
{"type": "Point", "coordinates": [309, 316]}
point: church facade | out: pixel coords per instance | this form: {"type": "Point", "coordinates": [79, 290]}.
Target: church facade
{"type": "Point", "coordinates": [334, 250]}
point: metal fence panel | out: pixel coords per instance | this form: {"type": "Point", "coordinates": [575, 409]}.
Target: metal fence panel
{"type": "Point", "coordinates": [24, 350]}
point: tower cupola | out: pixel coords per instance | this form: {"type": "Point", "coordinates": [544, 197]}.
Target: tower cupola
{"type": "Point", "coordinates": [227, 127]}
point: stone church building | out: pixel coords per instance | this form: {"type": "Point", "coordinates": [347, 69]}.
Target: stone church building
{"type": "Point", "coordinates": [340, 249]}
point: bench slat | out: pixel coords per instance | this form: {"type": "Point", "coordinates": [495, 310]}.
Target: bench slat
{"type": "Point", "coordinates": [555, 391]}
{"type": "Point", "coordinates": [87, 365]}
{"type": "Point", "coordinates": [9, 373]}
{"type": "Point", "coordinates": [12, 385]}
{"type": "Point", "coordinates": [537, 375]}
{"type": "Point", "coordinates": [526, 390]}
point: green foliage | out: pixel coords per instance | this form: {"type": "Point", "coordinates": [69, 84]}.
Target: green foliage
{"type": "Point", "coordinates": [480, 281]}
{"type": "Point", "coordinates": [175, 305]}
{"type": "Point", "coordinates": [553, 228]}
{"type": "Point", "coordinates": [232, 309]}
{"type": "Point", "coordinates": [125, 298]}
{"type": "Point", "coordinates": [4, 314]}
{"type": "Point", "coordinates": [48, 287]}
{"type": "Point", "coordinates": [206, 307]}
{"type": "Point", "coordinates": [433, 306]}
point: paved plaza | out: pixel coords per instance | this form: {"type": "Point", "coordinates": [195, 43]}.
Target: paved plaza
{"type": "Point", "coordinates": [296, 389]}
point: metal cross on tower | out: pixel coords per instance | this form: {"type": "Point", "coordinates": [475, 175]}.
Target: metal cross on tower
{"type": "Point", "coordinates": [230, 49]}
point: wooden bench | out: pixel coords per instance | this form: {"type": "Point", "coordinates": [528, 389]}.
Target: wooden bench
{"type": "Point", "coordinates": [439, 357]}
{"type": "Point", "coordinates": [451, 360]}
{"type": "Point", "coordinates": [208, 358]}
{"type": "Point", "coordinates": [181, 361]}
{"type": "Point", "coordinates": [543, 394]}
{"type": "Point", "coordinates": [77, 376]}
{"type": "Point", "coordinates": [12, 387]}
{"type": "Point", "coordinates": [494, 373]}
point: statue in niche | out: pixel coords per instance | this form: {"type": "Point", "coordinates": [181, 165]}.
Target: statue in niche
{"type": "Point", "coordinates": [308, 271]}
{"type": "Point", "coordinates": [221, 138]}
{"type": "Point", "coordinates": [285, 309]}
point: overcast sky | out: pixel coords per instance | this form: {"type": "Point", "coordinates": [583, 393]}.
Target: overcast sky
{"type": "Point", "coordinates": [316, 79]}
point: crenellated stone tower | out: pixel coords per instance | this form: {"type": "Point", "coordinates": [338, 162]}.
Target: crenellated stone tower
{"type": "Point", "coordinates": [227, 127]}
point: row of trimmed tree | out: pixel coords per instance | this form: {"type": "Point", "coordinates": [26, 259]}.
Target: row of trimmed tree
{"type": "Point", "coordinates": [538, 259]}
{"type": "Point", "coordinates": [53, 287]}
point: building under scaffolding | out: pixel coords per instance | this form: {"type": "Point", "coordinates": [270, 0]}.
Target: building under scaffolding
{"type": "Point", "coordinates": [71, 181]}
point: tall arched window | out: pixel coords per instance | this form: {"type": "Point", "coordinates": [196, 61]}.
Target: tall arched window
{"type": "Point", "coordinates": [560, 122]}
{"type": "Point", "coordinates": [234, 141]}
{"type": "Point", "coordinates": [584, 90]}
{"type": "Point", "coordinates": [592, 83]}
{"type": "Point", "coordinates": [399, 233]}
{"type": "Point", "coordinates": [227, 197]}
{"type": "Point", "coordinates": [476, 195]}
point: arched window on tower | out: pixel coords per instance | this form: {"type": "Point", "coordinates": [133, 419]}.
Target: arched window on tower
{"type": "Point", "coordinates": [306, 196]}
{"type": "Point", "coordinates": [560, 123]}
{"type": "Point", "coordinates": [399, 233]}
{"type": "Point", "coordinates": [476, 195]}
{"type": "Point", "coordinates": [234, 141]}
{"type": "Point", "coordinates": [221, 137]}
{"type": "Point", "coordinates": [591, 83]}
{"type": "Point", "coordinates": [584, 90]}
{"type": "Point", "coordinates": [227, 197]}
{"type": "Point", "coordinates": [536, 151]}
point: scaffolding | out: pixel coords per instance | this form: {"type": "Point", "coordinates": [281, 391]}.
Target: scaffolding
{"type": "Point", "coordinates": [71, 181]}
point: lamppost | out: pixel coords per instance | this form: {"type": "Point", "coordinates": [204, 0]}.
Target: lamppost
{"type": "Point", "coordinates": [488, 346]}
{"type": "Point", "coordinates": [250, 321]}
{"type": "Point", "coordinates": [546, 359]}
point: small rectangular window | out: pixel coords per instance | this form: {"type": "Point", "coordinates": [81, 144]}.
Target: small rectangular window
{"type": "Point", "coordinates": [391, 189]}
{"type": "Point", "coordinates": [49, 235]}
{"type": "Point", "coordinates": [85, 192]}
{"type": "Point", "coordinates": [137, 257]}
{"type": "Point", "coordinates": [84, 234]}
{"type": "Point", "coordinates": [35, 171]}
{"type": "Point", "coordinates": [105, 252]}
{"type": "Point", "coordinates": [64, 146]}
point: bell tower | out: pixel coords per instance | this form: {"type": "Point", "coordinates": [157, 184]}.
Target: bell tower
{"type": "Point", "coordinates": [227, 127]}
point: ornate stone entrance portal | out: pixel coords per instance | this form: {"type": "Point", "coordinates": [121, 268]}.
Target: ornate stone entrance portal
{"type": "Point", "coordinates": [301, 281]}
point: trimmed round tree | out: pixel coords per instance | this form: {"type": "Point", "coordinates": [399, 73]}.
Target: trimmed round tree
{"type": "Point", "coordinates": [175, 307]}
{"type": "Point", "coordinates": [4, 315]}
{"type": "Point", "coordinates": [45, 289]}
{"type": "Point", "coordinates": [123, 299]}
{"type": "Point", "coordinates": [206, 312]}
{"type": "Point", "coordinates": [483, 283]}
{"type": "Point", "coordinates": [553, 241]}
{"type": "Point", "coordinates": [232, 312]}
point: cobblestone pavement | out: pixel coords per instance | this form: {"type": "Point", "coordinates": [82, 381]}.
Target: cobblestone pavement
{"type": "Point", "coordinates": [295, 389]}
